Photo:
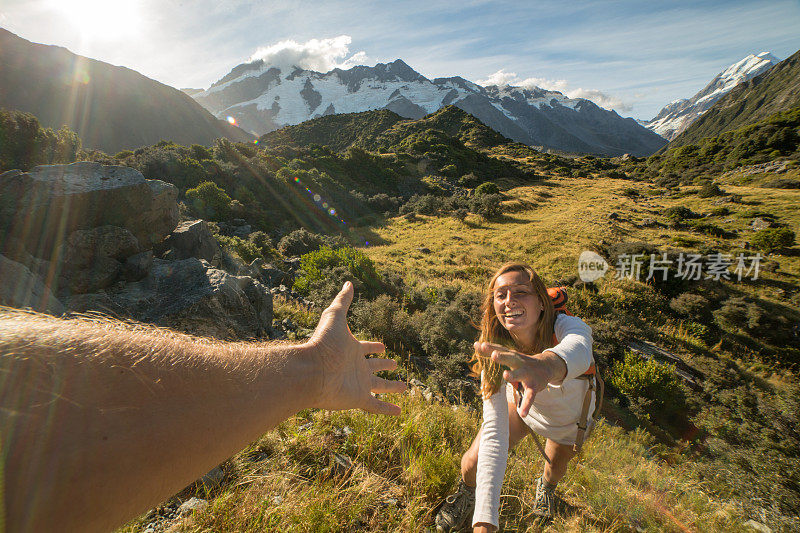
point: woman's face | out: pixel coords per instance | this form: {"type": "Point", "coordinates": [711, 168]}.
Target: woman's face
{"type": "Point", "coordinates": [517, 307]}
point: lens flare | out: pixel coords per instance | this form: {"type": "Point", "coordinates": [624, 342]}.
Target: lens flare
{"type": "Point", "coordinates": [231, 120]}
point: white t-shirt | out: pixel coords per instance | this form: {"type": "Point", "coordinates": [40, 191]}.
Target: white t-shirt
{"type": "Point", "coordinates": [554, 414]}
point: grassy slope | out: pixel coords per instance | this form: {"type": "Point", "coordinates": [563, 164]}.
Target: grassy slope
{"type": "Point", "coordinates": [404, 467]}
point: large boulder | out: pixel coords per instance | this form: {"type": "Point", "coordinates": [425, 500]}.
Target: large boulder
{"type": "Point", "coordinates": [191, 239]}
{"type": "Point", "coordinates": [22, 289]}
{"type": "Point", "coordinates": [41, 207]}
{"type": "Point", "coordinates": [192, 296]}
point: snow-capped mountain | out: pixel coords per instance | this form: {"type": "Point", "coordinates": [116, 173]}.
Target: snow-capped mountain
{"type": "Point", "coordinates": [261, 98]}
{"type": "Point", "coordinates": [677, 116]}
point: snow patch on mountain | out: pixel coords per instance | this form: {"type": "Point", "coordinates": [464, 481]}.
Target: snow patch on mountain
{"type": "Point", "coordinates": [676, 116]}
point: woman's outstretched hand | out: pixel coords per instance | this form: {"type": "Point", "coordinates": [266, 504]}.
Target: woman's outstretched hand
{"type": "Point", "coordinates": [533, 371]}
{"type": "Point", "coordinates": [347, 375]}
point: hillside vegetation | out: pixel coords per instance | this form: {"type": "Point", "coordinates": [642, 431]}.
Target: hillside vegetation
{"type": "Point", "coordinates": [700, 428]}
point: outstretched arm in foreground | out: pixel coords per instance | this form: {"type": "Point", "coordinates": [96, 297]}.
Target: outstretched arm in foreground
{"type": "Point", "coordinates": [101, 420]}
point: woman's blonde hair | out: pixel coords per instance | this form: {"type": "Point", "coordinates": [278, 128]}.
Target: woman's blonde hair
{"type": "Point", "coordinates": [492, 330]}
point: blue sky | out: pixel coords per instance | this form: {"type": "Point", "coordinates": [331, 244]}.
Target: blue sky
{"type": "Point", "coordinates": [634, 56]}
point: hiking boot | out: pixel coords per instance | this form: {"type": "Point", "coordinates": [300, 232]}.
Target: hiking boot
{"type": "Point", "coordinates": [544, 505]}
{"type": "Point", "coordinates": [456, 512]}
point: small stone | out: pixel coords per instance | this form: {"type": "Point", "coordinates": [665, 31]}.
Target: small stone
{"type": "Point", "coordinates": [192, 504]}
{"type": "Point", "coordinates": [758, 526]}
{"type": "Point", "coordinates": [277, 500]}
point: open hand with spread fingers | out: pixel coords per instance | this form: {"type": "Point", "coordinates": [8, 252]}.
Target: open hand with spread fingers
{"type": "Point", "coordinates": [534, 372]}
{"type": "Point", "coordinates": [346, 376]}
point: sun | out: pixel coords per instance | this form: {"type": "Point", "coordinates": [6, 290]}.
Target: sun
{"type": "Point", "coordinates": [100, 19]}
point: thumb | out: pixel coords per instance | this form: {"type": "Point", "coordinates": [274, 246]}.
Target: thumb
{"type": "Point", "coordinates": [343, 299]}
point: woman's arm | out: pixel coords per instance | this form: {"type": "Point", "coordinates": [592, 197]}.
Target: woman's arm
{"type": "Point", "coordinates": [574, 344]}
{"type": "Point", "coordinates": [101, 420]}
{"type": "Point", "coordinates": [492, 459]}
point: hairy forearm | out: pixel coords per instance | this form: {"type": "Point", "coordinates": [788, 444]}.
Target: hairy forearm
{"type": "Point", "coordinates": [133, 414]}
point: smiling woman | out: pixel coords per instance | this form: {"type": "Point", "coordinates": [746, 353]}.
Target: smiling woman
{"type": "Point", "coordinates": [100, 19]}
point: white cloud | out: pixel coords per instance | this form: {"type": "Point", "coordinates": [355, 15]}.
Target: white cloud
{"type": "Point", "coordinates": [501, 77]}
{"type": "Point", "coordinates": [321, 55]}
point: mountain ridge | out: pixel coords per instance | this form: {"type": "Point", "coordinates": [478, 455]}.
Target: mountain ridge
{"type": "Point", "coordinates": [110, 107]}
{"type": "Point", "coordinates": [678, 115]}
{"type": "Point", "coordinates": [263, 98]}
{"type": "Point", "coordinates": [771, 92]}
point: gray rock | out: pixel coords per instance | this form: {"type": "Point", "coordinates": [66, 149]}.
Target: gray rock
{"type": "Point", "coordinates": [213, 478]}
{"type": "Point", "coordinates": [39, 207]}
{"type": "Point", "coordinates": [191, 505]}
{"type": "Point", "coordinates": [100, 274]}
{"type": "Point", "coordinates": [759, 223]}
{"type": "Point", "coordinates": [191, 239]}
{"type": "Point", "coordinates": [22, 289]}
{"type": "Point", "coordinates": [83, 247]}
{"type": "Point", "coordinates": [242, 231]}
{"type": "Point", "coordinates": [137, 266]}
{"type": "Point", "coordinates": [190, 295]}
{"type": "Point", "coordinates": [95, 301]}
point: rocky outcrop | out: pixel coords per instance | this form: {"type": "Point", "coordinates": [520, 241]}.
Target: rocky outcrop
{"type": "Point", "coordinates": [23, 289]}
{"type": "Point", "coordinates": [191, 239]}
{"type": "Point", "coordinates": [106, 240]}
{"type": "Point", "coordinates": [40, 208]}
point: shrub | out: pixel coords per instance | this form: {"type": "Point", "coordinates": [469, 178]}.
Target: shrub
{"type": "Point", "coordinates": [737, 313]}
{"type": "Point", "coordinates": [710, 189]}
{"type": "Point", "coordinates": [487, 187]}
{"type": "Point", "coordinates": [246, 250]}
{"type": "Point", "coordinates": [209, 201]}
{"type": "Point", "coordinates": [299, 242]}
{"type": "Point", "coordinates": [679, 213]}
{"type": "Point", "coordinates": [323, 271]}
{"type": "Point", "coordinates": [649, 385]}
{"type": "Point", "coordinates": [690, 305]}
{"type": "Point", "coordinates": [487, 205]}
{"type": "Point", "coordinates": [383, 318]}
{"type": "Point", "coordinates": [771, 239]}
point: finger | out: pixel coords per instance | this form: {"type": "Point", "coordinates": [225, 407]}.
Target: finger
{"type": "Point", "coordinates": [368, 347]}
{"type": "Point", "coordinates": [343, 299]}
{"type": "Point", "coordinates": [510, 359]}
{"type": "Point", "coordinates": [383, 386]}
{"type": "Point", "coordinates": [378, 407]}
{"type": "Point", "coordinates": [519, 374]}
{"type": "Point", "coordinates": [527, 402]}
{"type": "Point", "coordinates": [486, 348]}
{"type": "Point", "coordinates": [376, 365]}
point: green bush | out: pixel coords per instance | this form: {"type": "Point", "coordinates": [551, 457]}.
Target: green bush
{"type": "Point", "coordinates": [25, 144]}
{"type": "Point", "coordinates": [323, 271]}
{"type": "Point", "coordinates": [246, 250]}
{"type": "Point", "coordinates": [488, 206]}
{"type": "Point", "coordinates": [299, 242]}
{"type": "Point", "coordinates": [649, 385]}
{"type": "Point", "coordinates": [209, 201]}
{"type": "Point", "coordinates": [710, 189]}
{"type": "Point", "coordinates": [487, 187]}
{"type": "Point", "coordinates": [771, 239]}
{"type": "Point", "coordinates": [679, 213]}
